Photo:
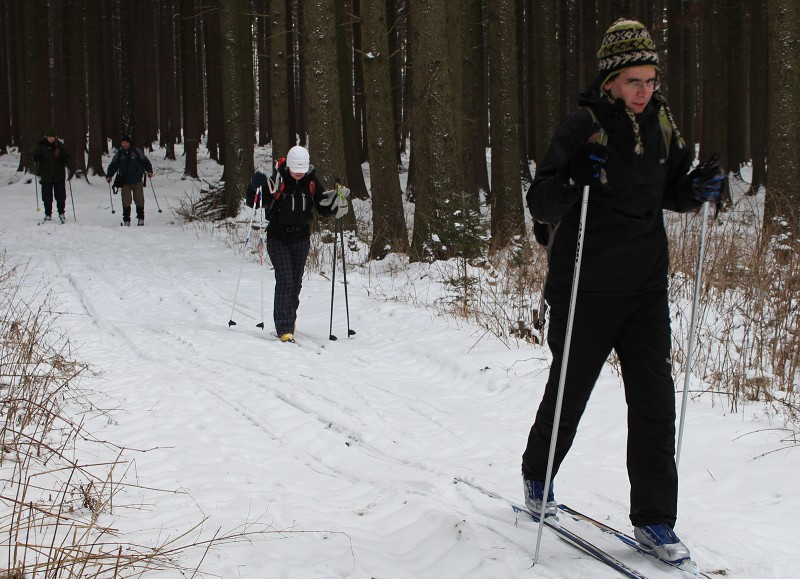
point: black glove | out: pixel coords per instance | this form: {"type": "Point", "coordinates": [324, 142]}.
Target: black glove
{"type": "Point", "coordinates": [707, 180]}
{"type": "Point", "coordinates": [587, 165]}
{"type": "Point", "coordinates": [259, 180]}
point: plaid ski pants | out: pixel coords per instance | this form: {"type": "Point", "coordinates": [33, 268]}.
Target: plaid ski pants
{"type": "Point", "coordinates": [289, 260]}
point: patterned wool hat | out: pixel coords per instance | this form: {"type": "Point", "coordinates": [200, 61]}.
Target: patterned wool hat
{"type": "Point", "coordinates": [626, 43]}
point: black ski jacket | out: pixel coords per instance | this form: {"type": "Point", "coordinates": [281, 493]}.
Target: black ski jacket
{"type": "Point", "coordinates": [290, 210]}
{"type": "Point", "coordinates": [52, 161]}
{"type": "Point", "coordinates": [625, 247]}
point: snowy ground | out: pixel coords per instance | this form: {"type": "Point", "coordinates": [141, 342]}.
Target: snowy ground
{"type": "Point", "coordinates": [350, 448]}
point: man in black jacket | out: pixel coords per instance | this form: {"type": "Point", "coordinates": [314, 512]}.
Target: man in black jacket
{"type": "Point", "coordinates": [131, 163]}
{"type": "Point", "coordinates": [52, 166]}
{"type": "Point", "coordinates": [627, 149]}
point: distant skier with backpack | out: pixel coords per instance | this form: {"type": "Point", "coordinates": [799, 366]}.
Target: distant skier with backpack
{"type": "Point", "coordinates": [52, 166]}
{"type": "Point", "coordinates": [290, 197]}
{"type": "Point", "coordinates": [625, 146]}
{"type": "Point", "coordinates": [129, 164]}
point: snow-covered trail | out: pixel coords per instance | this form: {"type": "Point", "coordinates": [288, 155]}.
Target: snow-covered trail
{"type": "Point", "coordinates": [348, 447]}
{"type": "Point", "coordinates": [373, 428]}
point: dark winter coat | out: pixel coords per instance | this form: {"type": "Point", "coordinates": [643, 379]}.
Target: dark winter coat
{"type": "Point", "coordinates": [625, 247]}
{"type": "Point", "coordinates": [52, 161]}
{"type": "Point", "coordinates": [130, 163]}
{"type": "Point", "coordinates": [291, 209]}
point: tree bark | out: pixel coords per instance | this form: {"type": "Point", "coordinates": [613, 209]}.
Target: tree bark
{"type": "Point", "coordinates": [783, 199]}
{"type": "Point", "coordinates": [546, 81]}
{"type": "Point", "coordinates": [324, 106]}
{"type": "Point", "coordinates": [282, 139]}
{"type": "Point", "coordinates": [389, 231]}
{"type": "Point", "coordinates": [506, 199]}
{"type": "Point", "coordinates": [351, 134]}
{"type": "Point", "coordinates": [233, 17]}
{"type": "Point", "coordinates": [438, 200]}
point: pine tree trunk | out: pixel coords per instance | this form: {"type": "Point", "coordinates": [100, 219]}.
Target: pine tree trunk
{"type": "Point", "coordinates": [189, 73]}
{"type": "Point", "coordinates": [350, 132]}
{"type": "Point", "coordinates": [5, 73]}
{"type": "Point", "coordinates": [324, 108]}
{"type": "Point", "coordinates": [263, 42]}
{"type": "Point", "coordinates": [759, 118]}
{"type": "Point", "coordinates": [389, 231]}
{"type": "Point", "coordinates": [233, 17]}
{"type": "Point", "coordinates": [473, 103]}
{"type": "Point", "coordinates": [124, 54]}
{"type": "Point", "coordinates": [506, 198]}
{"type": "Point", "coordinates": [31, 64]}
{"type": "Point", "coordinates": [282, 139]}
{"type": "Point", "coordinates": [714, 83]}
{"type": "Point", "coordinates": [546, 81]}
{"type": "Point", "coordinates": [74, 75]}
{"type": "Point", "coordinates": [215, 132]}
{"type": "Point", "coordinates": [783, 199]}
{"type": "Point", "coordinates": [169, 126]}
{"type": "Point", "coordinates": [438, 200]}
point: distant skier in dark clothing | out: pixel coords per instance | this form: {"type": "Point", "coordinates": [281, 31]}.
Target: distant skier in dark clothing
{"type": "Point", "coordinates": [131, 163]}
{"type": "Point", "coordinates": [52, 167]}
{"type": "Point", "coordinates": [289, 198]}
{"type": "Point", "coordinates": [622, 304]}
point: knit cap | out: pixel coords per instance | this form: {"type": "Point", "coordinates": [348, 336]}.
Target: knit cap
{"type": "Point", "coordinates": [626, 43]}
{"type": "Point", "coordinates": [50, 132]}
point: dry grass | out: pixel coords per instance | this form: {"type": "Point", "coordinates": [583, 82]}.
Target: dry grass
{"type": "Point", "coordinates": [748, 345]}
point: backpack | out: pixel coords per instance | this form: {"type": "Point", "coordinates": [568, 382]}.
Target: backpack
{"type": "Point", "coordinates": [120, 180]}
{"type": "Point", "coordinates": [544, 233]}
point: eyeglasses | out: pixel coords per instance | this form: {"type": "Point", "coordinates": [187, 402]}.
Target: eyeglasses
{"type": "Point", "coordinates": [651, 84]}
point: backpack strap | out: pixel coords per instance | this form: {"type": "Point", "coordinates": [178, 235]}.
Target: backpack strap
{"type": "Point", "coordinates": [599, 136]}
{"type": "Point", "coordinates": [279, 185]}
{"type": "Point", "coordinates": [667, 131]}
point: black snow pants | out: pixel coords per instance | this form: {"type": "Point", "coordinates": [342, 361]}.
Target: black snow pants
{"type": "Point", "coordinates": [59, 191]}
{"type": "Point", "coordinates": [638, 328]}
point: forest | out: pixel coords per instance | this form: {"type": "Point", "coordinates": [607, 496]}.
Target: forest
{"type": "Point", "coordinates": [468, 91]}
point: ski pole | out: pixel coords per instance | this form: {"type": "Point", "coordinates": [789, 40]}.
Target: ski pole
{"type": "Point", "coordinates": [110, 198]}
{"type": "Point", "coordinates": [154, 194]}
{"type": "Point", "coordinates": [692, 329]}
{"type": "Point", "coordinates": [261, 250]}
{"type": "Point", "coordinates": [256, 205]}
{"type": "Point", "coordinates": [344, 278]}
{"type": "Point", "coordinates": [564, 361]}
{"type": "Point", "coordinates": [333, 278]}
{"type": "Point", "coordinates": [36, 191]}
{"type": "Point", "coordinates": [69, 181]}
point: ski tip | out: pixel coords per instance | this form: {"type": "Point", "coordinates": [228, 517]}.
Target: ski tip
{"type": "Point", "coordinates": [231, 323]}
{"type": "Point", "coordinates": [351, 332]}
{"type": "Point", "coordinates": [332, 338]}
{"type": "Point", "coordinates": [260, 325]}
